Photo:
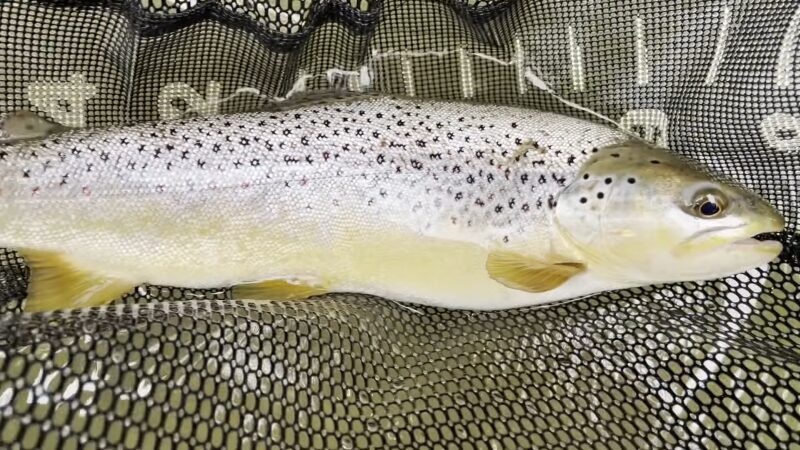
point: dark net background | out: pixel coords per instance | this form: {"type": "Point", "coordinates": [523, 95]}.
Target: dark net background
{"type": "Point", "coordinates": [693, 365]}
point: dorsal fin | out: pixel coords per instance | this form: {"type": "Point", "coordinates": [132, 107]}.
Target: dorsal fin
{"type": "Point", "coordinates": [23, 125]}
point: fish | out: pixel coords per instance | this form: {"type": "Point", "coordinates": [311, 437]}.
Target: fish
{"type": "Point", "coordinates": [442, 203]}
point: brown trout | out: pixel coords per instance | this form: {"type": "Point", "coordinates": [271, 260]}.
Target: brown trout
{"type": "Point", "coordinates": [438, 203]}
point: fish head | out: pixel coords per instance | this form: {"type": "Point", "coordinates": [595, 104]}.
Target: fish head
{"type": "Point", "coordinates": [639, 214]}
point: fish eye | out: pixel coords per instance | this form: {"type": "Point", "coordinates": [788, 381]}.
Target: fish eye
{"type": "Point", "coordinates": [709, 205]}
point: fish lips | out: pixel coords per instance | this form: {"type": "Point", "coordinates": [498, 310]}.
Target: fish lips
{"type": "Point", "coordinates": [753, 239]}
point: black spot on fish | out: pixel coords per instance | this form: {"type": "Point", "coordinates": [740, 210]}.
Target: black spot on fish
{"type": "Point", "coordinates": [615, 155]}
{"type": "Point", "coordinates": [631, 180]}
{"type": "Point", "coordinates": [655, 161]}
{"type": "Point", "coordinates": [594, 150]}
{"type": "Point", "coordinates": [583, 200]}
{"type": "Point", "coordinates": [526, 207]}
{"type": "Point", "coordinates": [498, 209]}
{"type": "Point", "coordinates": [586, 176]}
{"type": "Point", "coordinates": [608, 180]}
{"type": "Point", "coordinates": [600, 195]}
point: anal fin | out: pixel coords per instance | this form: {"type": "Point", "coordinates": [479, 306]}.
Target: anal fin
{"type": "Point", "coordinates": [56, 284]}
{"type": "Point", "coordinates": [277, 290]}
{"type": "Point", "coordinates": [524, 273]}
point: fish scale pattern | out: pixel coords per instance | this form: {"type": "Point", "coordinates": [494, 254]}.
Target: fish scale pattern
{"type": "Point", "coordinates": [708, 365]}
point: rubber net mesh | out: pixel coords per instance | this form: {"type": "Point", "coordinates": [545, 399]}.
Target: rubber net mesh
{"type": "Point", "coordinates": [693, 365]}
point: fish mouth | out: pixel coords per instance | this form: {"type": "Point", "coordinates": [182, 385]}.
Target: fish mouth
{"type": "Point", "coordinates": [758, 243]}
{"type": "Point", "coordinates": [764, 241]}
{"type": "Point", "coordinates": [756, 238]}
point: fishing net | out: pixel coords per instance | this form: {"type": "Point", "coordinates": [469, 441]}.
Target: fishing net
{"type": "Point", "coordinates": [691, 365]}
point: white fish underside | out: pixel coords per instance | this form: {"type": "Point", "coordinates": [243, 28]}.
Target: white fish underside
{"type": "Point", "coordinates": [398, 198]}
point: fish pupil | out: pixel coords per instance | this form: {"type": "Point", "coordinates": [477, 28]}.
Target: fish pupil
{"type": "Point", "coordinates": [709, 208]}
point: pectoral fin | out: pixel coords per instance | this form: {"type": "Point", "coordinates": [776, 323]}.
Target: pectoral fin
{"type": "Point", "coordinates": [56, 284]}
{"type": "Point", "coordinates": [520, 272]}
{"type": "Point", "coordinates": [277, 290]}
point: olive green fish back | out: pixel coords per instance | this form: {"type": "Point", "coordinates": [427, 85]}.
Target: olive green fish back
{"type": "Point", "coordinates": [691, 365]}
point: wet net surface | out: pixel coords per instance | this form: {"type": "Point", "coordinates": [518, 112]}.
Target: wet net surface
{"type": "Point", "coordinates": [691, 365]}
